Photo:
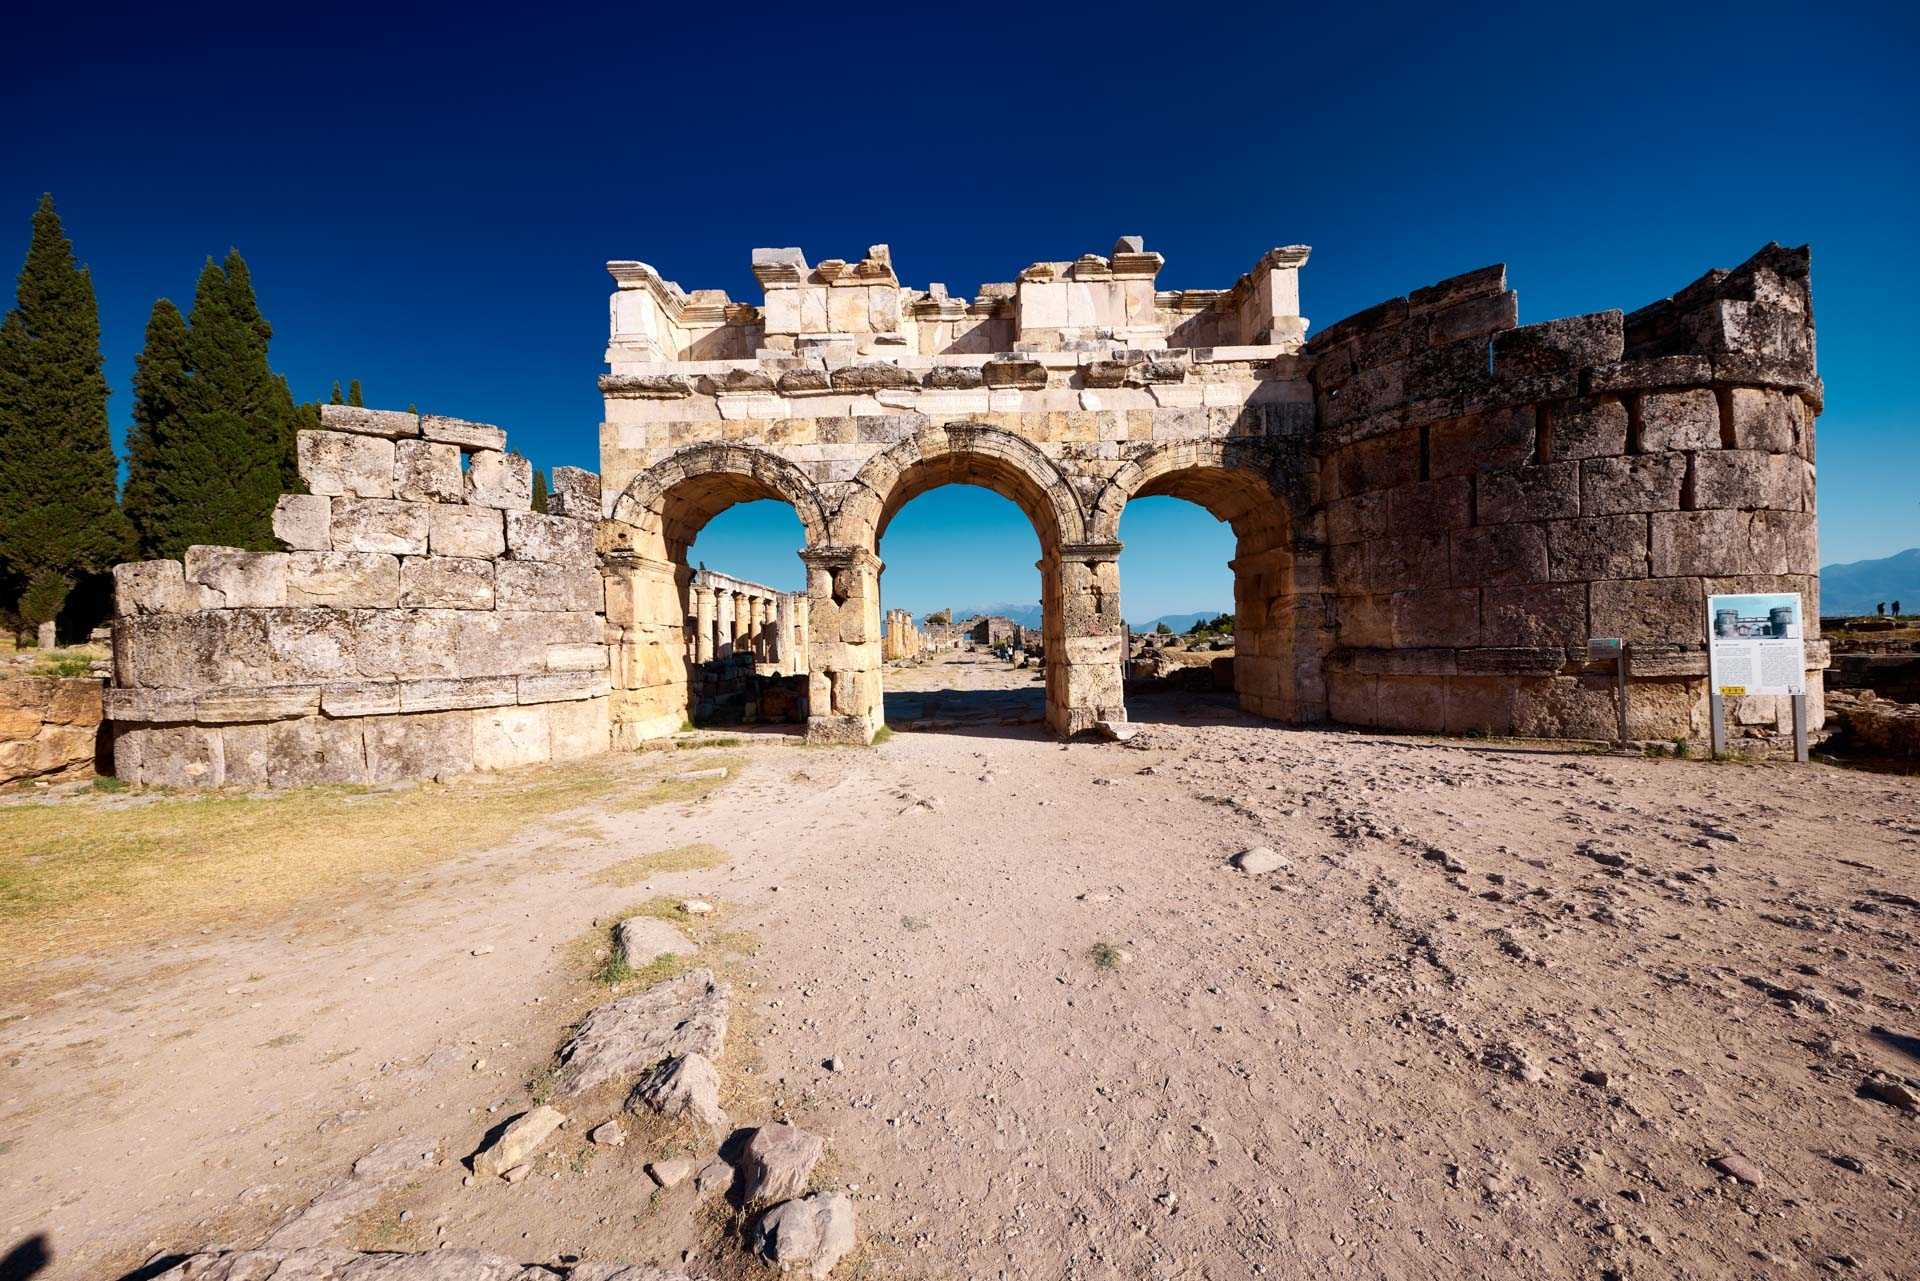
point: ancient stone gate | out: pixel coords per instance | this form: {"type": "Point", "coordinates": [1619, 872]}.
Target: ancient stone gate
{"type": "Point", "coordinates": [1433, 507]}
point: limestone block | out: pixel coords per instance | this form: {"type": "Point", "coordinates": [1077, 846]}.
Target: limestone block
{"type": "Point", "coordinates": [446, 582]}
{"type": "Point", "coordinates": [1443, 616]}
{"type": "Point", "coordinates": [394, 424]}
{"type": "Point", "coordinates": [505, 737]}
{"type": "Point", "coordinates": [579, 729]}
{"type": "Point", "coordinates": [150, 705]}
{"type": "Point", "coordinates": [451, 693]}
{"type": "Point", "coordinates": [335, 463]}
{"type": "Point", "coordinates": [246, 756]}
{"type": "Point", "coordinates": [1642, 483]}
{"type": "Point", "coordinates": [1746, 478]}
{"type": "Point", "coordinates": [465, 531]}
{"type": "Point", "coordinates": [1595, 428]}
{"type": "Point", "coordinates": [360, 698]}
{"type": "Point", "coordinates": [1597, 547]}
{"type": "Point", "coordinates": [422, 745]}
{"type": "Point", "coordinates": [1528, 493]}
{"type": "Point", "coordinates": [1534, 615]}
{"type": "Point", "coordinates": [1765, 420]}
{"type": "Point", "coordinates": [558, 687]}
{"type": "Point", "coordinates": [1400, 563]}
{"type": "Point", "coordinates": [1679, 420]}
{"type": "Point", "coordinates": [155, 587]}
{"type": "Point", "coordinates": [496, 479]}
{"type": "Point", "coordinates": [315, 749]}
{"type": "Point", "coordinates": [542, 585]}
{"type": "Point", "coordinates": [1431, 505]}
{"type": "Point", "coordinates": [304, 522]}
{"type": "Point", "coordinates": [1414, 703]}
{"type": "Point", "coordinates": [576, 493]}
{"type": "Point", "coordinates": [310, 644]}
{"type": "Point", "coordinates": [1490, 440]}
{"type": "Point", "coordinates": [344, 580]}
{"type": "Point", "coordinates": [1500, 556]}
{"type": "Point", "coordinates": [1353, 520]}
{"type": "Point", "coordinates": [577, 658]}
{"type": "Point", "coordinates": [1650, 610]}
{"type": "Point", "coordinates": [380, 525]}
{"type": "Point", "coordinates": [238, 706]}
{"type": "Point", "coordinates": [561, 539]}
{"type": "Point", "coordinates": [205, 650]}
{"type": "Point", "coordinates": [1783, 543]}
{"type": "Point", "coordinates": [170, 756]}
{"type": "Point", "coordinates": [427, 472]}
{"type": "Point", "coordinates": [847, 310]}
{"type": "Point", "coordinates": [1703, 542]}
{"type": "Point", "coordinates": [1584, 707]}
{"type": "Point", "coordinates": [407, 644]}
{"type": "Point", "coordinates": [466, 435]}
{"type": "Point", "coordinates": [235, 579]}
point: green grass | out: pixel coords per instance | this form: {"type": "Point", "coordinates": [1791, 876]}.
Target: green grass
{"type": "Point", "coordinates": [882, 734]}
{"type": "Point", "coordinates": [1105, 956]}
{"type": "Point", "coordinates": [697, 857]}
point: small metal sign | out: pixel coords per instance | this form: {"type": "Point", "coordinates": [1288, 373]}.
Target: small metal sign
{"type": "Point", "coordinates": [1604, 649]}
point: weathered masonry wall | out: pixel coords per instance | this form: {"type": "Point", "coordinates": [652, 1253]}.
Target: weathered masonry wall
{"type": "Point", "coordinates": [424, 621]}
{"type": "Point", "coordinates": [49, 727]}
{"type": "Point", "coordinates": [1496, 495]}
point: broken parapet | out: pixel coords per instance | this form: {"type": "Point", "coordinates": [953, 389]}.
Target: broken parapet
{"type": "Point", "coordinates": [423, 621]}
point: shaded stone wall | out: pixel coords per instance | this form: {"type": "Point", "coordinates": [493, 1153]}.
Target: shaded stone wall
{"type": "Point", "coordinates": [1496, 495]}
{"type": "Point", "coordinates": [424, 621]}
{"type": "Point", "coordinates": [49, 727]}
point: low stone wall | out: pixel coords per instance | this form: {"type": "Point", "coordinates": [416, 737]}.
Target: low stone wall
{"type": "Point", "coordinates": [49, 728]}
{"type": "Point", "coordinates": [424, 621]}
{"type": "Point", "coordinates": [1877, 726]}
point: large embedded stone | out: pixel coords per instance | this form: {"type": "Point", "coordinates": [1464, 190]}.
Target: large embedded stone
{"type": "Point", "coordinates": [235, 579]}
{"type": "Point", "coordinates": [1534, 615]}
{"type": "Point", "coordinates": [1651, 610]}
{"type": "Point", "coordinates": [1597, 547]}
{"type": "Point", "coordinates": [873, 376]}
{"type": "Point", "coordinates": [446, 582]}
{"type": "Point", "coordinates": [622, 1038]}
{"type": "Point", "coordinates": [509, 737]}
{"type": "Point", "coordinates": [1765, 420]}
{"type": "Point", "coordinates": [336, 463]}
{"type": "Point", "coordinates": [1748, 479]}
{"type": "Point", "coordinates": [380, 525]}
{"type": "Point", "coordinates": [639, 941]}
{"type": "Point", "coordinates": [536, 536]}
{"type": "Point", "coordinates": [684, 1086]}
{"type": "Point", "coordinates": [1528, 493]}
{"type": "Point", "coordinates": [1594, 428]}
{"type": "Point", "coordinates": [520, 1139]}
{"type": "Point", "coordinates": [496, 479]}
{"type": "Point", "coordinates": [465, 531]}
{"type": "Point", "coordinates": [427, 472]}
{"type": "Point", "coordinates": [1679, 420]}
{"type": "Point", "coordinates": [776, 1162]}
{"type": "Point", "coordinates": [1486, 441]}
{"type": "Point", "coordinates": [315, 750]}
{"type": "Point", "coordinates": [553, 687]}
{"type": "Point", "coordinates": [304, 522]}
{"type": "Point", "coordinates": [810, 1234]}
{"type": "Point", "coordinates": [579, 729]}
{"type": "Point", "coordinates": [344, 580]}
{"type": "Point", "coordinates": [440, 694]}
{"type": "Point", "coordinates": [1500, 555]}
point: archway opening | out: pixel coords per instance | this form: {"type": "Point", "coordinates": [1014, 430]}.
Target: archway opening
{"type": "Point", "coordinates": [692, 644]}
{"type": "Point", "coordinates": [963, 646]}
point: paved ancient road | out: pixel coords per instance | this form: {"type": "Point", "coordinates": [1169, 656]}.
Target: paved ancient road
{"type": "Point", "coordinates": [1369, 1063]}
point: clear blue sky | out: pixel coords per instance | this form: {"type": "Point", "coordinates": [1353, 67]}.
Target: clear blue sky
{"type": "Point", "coordinates": [427, 195]}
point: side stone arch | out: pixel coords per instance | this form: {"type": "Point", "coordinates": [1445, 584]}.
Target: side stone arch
{"type": "Point", "coordinates": [679, 494]}
{"type": "Point", "coordinates": [963, 453]}
{"type": "Point", "coordinates": [1246, 483]}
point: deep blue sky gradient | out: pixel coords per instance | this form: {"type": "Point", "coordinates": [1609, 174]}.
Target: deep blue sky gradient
{"type": "Point", "coordinates": [427, 195]}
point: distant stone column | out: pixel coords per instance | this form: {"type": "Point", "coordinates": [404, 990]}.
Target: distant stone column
{"type": "Point", "coordinates": [725, 601]}
{"type": "Point", "coordinates": [762, 631]}
{"type": "Point", "coordinates": [702, 624]}
{"type": "Point", "coordinates": [742, 623]}
{"type": "Point", "coordinates": [802, 635]}
{"type": "Point", "coordinates": [783, 655]}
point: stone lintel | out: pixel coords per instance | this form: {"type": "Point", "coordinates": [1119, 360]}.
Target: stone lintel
{"type": "Point", "coordinates": [834, 557]}
{"type": "Point", "coordinates": [1089, 553]}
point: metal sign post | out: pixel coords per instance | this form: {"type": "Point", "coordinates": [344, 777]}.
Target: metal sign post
{"type": "Point", "coordinates": [1800, 728]}
{"type": "Point", "coordinates": [1717, 714]}
{"type": "Point", "coordinates": [1599, 650]}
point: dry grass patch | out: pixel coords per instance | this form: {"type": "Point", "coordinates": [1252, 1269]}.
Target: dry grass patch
{"type": "Point", "coordinates": [88, 867]}
{"type": "Point", "coordinates": [698, 857]}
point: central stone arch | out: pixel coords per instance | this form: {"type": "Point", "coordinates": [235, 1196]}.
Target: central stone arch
{"type": "Point", "coordinates": [1080, 599]}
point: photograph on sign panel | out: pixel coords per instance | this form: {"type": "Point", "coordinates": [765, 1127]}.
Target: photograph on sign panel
{"type": "Point", "coordinates": [1757, 644]}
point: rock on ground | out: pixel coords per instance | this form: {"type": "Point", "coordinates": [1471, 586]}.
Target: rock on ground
{"type": "Point", "coordinates": [319, 1264]}
{"type": "Point", "coordinates": [1261, 858]}
{"type": "Point", "coordinates": [519, 1140]}
{"type": "Point", "coordinates": [623, 1038]}
{"type": "Point", "coordinates": [686, 1085]}
{"type": "Point", "coordinates": [776, 1162]}
{"type": "Point", "coordinates": [360, 1191]}
{"type": "Point", "coordinates": [813, 1233]}
{"type": "Point", "coordinates": [642, 940]}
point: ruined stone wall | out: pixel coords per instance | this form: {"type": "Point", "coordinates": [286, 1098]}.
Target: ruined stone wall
{"type": "Point", "coordinates": [902, 639]}
{"type": "Point", "coordinates": [423, 621]}
{"type": "Point", "coordinates": [1497, 495]}
{"type": "Point", "coordinates": [49, 727]}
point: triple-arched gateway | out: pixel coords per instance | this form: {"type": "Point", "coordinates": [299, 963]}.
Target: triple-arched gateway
{"type": "Point", "coordinates": [1434, 508]}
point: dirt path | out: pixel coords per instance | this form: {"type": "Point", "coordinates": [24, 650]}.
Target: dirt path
{"type": "Point", "coordinates": [1367, 1064]}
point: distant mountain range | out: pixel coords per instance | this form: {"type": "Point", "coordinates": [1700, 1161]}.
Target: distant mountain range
{"type": "Point", "coordinates": [1029, 616]}
{"type": "Point", "coordinates": [1856, 587]}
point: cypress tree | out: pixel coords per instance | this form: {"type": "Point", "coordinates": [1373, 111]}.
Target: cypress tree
{"type": "Point", "coordinates": [60, 517]}
{"type": "Point", "coordinates": [336, 394]}
{"type": "Point", "coordinates": [539, 490]}
{"type": "Point", "coordinates": [353, 394]}
{"type": "Point", "coordinates": [160, 399]}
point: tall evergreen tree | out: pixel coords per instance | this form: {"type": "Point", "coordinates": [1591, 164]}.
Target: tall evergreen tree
{"type": "Point", "coordinates": [160, 399]}
{"type": "Point", "coordinates": [539, 490]}
{"type": "Point", "coordinates": [59, 511]}
{"type": "Point", "coordinates": [353, 393]}
{"type": "Point", "coordinates": [215, 425]}
{"type": "Point", "coordinates": [335, 400]}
